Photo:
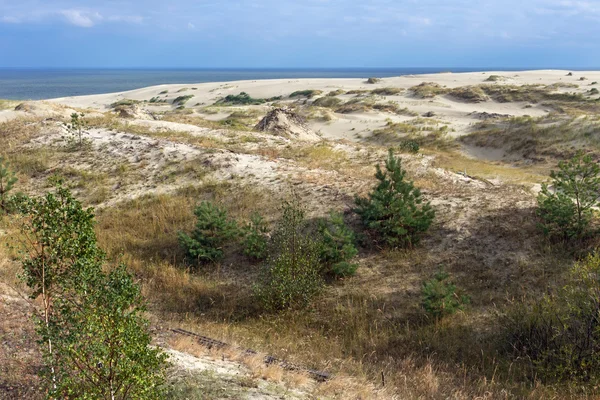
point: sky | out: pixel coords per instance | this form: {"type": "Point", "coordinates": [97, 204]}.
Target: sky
{"type": "Point", "coordinates": [300, 33]}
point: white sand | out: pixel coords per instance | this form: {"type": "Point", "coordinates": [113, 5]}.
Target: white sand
{"type": "Point", "coordinates": [449, 111]}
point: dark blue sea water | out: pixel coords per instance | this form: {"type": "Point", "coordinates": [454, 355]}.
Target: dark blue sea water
{"type": "Point", "coordinates": [35, 84]}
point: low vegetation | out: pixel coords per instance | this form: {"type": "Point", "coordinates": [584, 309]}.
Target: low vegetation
{"type": "Point", "coordinates": [92, 333]}
{"type": "Point", "coordinates": [394, 210]}
{"type": "Point", "coordinates": [181, 100]}
{"type": "Point", "coordinates": [213, 230]}
{"type": "Point", "coordinates": [552, 137]}
{"type": "Point", "coordinates": [567, 210]}
{"type": "Point", "coordinates": [309, 93]}
{"type": "Point", "coordinates": [428, 90]}
{"type": "Point", "coordinates": [243, 99]}
{"type": "Point", "coordinates": [124, 102]}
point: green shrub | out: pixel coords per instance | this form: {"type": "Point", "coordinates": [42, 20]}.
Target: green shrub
{"type": "Point", "coordinates": [124, 102]}
{"type": "Point", "coordinates": [330, 102]}
{"type": "Point", "coordinates": [290, 277]}
{"type": "Point", "coordinates": [310, 93]}
{"type": "Point", "coordinates": [337, 92]}
{"type": "Point", "coordinates": [594, 91]}
{"type": "Point", "coordinates": [7, 182]}
{"type": "Point", "coordinates": [181, 100]}
{"type": "Point", "coordinates": [440, 296]}
{"type": "Point", "coordinates": [566, 212]}
{"type": "Point", "coordinates": [373, 80]}
{"type": "Point", "coordinates": [244, 99]}
{"type": "Point", "coordinates": [256, 238]}
{"type": "Point", "coordinates": [410, 145]}
{"type": "Point", "coordinates": [388, 91]}
{"type": "Point", "coordinates": [560, 334]}
{"type": "Point", "coordinates": [213, 230]}
{"type": "Point", "coordinates": [395, 209]}
{"type": "Point", "coordinates": [337, 246]}
{"type": "Point", "coordinates": [93, 336]}
{"type": "Point", "coordinates": [494, 78]}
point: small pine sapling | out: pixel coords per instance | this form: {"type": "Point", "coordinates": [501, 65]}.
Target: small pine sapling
{"type": "Point", "coordinates": [212, 231]}
{"type": "Point", "coordinates": [567, 211]}
{"type": "Point", "coordinates": [395, 208]}
{"type": "Point", "coordinates": [337, 246]}
{"type": "Point", "coordinates": [440, 296]}
{"type": "Point", "coordinates": [256, 238]}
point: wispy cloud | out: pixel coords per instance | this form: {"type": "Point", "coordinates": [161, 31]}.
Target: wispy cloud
{"type": "Point", "coordinates": [81, 18]}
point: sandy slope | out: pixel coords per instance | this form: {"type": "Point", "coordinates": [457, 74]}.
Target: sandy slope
{"type": "Point", "coordinates": [449, 111]}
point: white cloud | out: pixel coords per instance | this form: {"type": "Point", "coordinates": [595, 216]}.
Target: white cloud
{"type": "Point", "coordinates": [10, 20]}
{"type": "Point", "coordinates": [81, 18]}
{"type": "Point", "coordinates": [132, 19]}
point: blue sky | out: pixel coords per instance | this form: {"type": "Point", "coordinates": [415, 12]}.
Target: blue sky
{"type": "Point", "coordinates": [300, 33]}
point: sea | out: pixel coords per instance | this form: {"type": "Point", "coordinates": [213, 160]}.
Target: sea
{"type": "Point", "coordinates": [37, 84]}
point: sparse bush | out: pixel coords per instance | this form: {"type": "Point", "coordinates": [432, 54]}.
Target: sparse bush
{"type": "Point", "coordinates": [310, 93]}
{"type": "Point", "coordinates": [329, 102]}
{"type": "Point", "coordinates": [395, 209]}
{"type": "Point", "coordinates": [469, 94]}
{"type": "Point", "coordinates": [594, 91]}
{"type": "Point", "coordinates": [337, 92]}
{"type": "Point", "coordinates": [567, 210]}
{"type": "Point", "coordinates": [7, 182]}
{"type": "Point", "coordinates": [411, 146]}
{"type": "Point", "coordinates": [181, 100]}
{"type": "Point", "coordinates": [494, 78]}
{"type": "Point", "coordinates": [440, 296]}
{"type": "Point", "coordinates": [337, 246]}
{"type": "Point", "coordinates": [388, 91]}
{"type": "Point", "coordinates": [213, 230]}
{"type": "Point", "coordinates": [124, 102]}
{"type": "Point", "coordinates": [428, 90]}
{"type": "Point", "coordinates": [164, 92]}
{"type": "Point", "coordinates": [256, 238]}
{"type": "Point", "coordinates": [373, 80]}
{"type": "Point", "coordinates": [560, 334]}
{"type": "Point", "coordinates": [78, 123]}
{"type": "Point", "coordinates": [244, 99]}
{"type": "Point", "coordinates": [290, 277]}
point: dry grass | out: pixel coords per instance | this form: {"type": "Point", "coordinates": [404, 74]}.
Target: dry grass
{"type": "Point", "coordinates": [364, 327]}
{"type": "Point", "coordinates": [319, 156]}
{"type": "Point", "coordinates": [546, 139]}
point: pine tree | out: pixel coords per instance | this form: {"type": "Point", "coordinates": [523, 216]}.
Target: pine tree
{"type": "Point", "coordinates": [395, 208]}
{"type": "Point", "coordinates": [567, 210]}
{"type": "Point", "coordinates": [256, 238]}
{"type": "Point", "coordinates": [337, 246]}
{"type": "Point", "coordinates": [213, 229]}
